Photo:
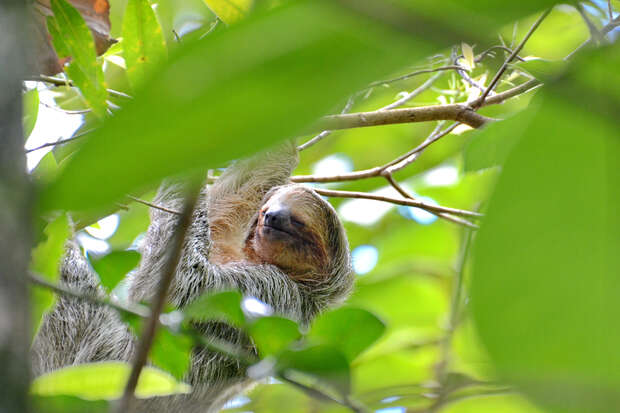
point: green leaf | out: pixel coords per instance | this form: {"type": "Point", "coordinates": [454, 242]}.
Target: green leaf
{"type": "Point", "coordinates": [30, 102]}
{"type": "Point", "coordinates": [144, 46]}
{"type": "Point", "coordinates": [67, 404]}
{"type": "Point", "coordinates": [46, 169]}
{"type": "Point", "coordinates": [230, 11]}
{"type": "Point", "coordinates": [105, 381]}
{"type": "Point", "coordinates": [545, 282]}
{"type": "Point", "coordinates": [273, 334]}
{"type": "Point", "coordinates": [351, 330]}
{"type": "Point", "coordinates": [45, 262]}
{"type": "Point", "coordinates": [72, 38]}
{"type": "Point", "coordinates": [225, 306]}
{"type": "Point", "coordinates": [113, 267]}
{"type": "Point", "coordinates": [490, 146]}
{"type": "Point", "coordinates": [171, 352]}
{"type": "Point", "coordinates": [323, 363]}
{"type": "Point", "coordinates": [205, 98]}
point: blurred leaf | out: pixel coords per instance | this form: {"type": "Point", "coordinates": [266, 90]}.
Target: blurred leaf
{"type": "Point", "coordinates": [132, 223]}
{"type": "Point", "coordinates": [46, 170]}
{"type": "Point", "coordinates": [72, 38]}
{"type": "Point", "coordinates": [542, 68]}
{"type": "Point", "coordinates": [490, 146]}
{"type": "Point", "coordinates": [325, 363]}
{"type": "Point", "coordinates": [171, 352]}
{"type": "Point", "coordinates": [113, 267]}
{"type": "Point", "coordinates": [351, 330]}
{"type": "Point", "coordinates": [67, 404]}
{"type": "Point", "coordinates": [30, 102]}
{"type": "Point", "coordinates": [143, 42]}
{"type": "Point", "coordinates": [545, 282]}
{"type": "Point", "coordinates": [491, 404]}
{"type": "Point", "coordinates": [273, 334]}
{"type": "Point", "coordinates": [188, 117]}
{"type": "Point", "coordinates": [104, 381]}
{"type": "Point", "coordinates": [230, 11]}
{"type": "Point", "coordinates": [45, 262]}
{"type": "Point", "coordinates": [225, 306]}
{"type": "Point", "coordinates": [468, 54]}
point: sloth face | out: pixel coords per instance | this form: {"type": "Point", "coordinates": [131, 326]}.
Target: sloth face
{"type": "Point", "coordinates": [291, 231]}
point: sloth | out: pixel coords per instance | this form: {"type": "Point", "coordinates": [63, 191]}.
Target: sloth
{"type": "Point", "coordinates": [251, 231]}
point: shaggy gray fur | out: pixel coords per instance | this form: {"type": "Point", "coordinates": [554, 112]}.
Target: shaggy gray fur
{"type": "Point", "coordinates": [78, 332]}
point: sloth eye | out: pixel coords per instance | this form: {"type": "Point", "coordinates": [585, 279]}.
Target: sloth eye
{"type": "Point", "coordinates": [297, 222]}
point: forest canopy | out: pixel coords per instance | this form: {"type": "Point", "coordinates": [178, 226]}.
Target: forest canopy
{"type": "Point", "coordinates": [471, 149]}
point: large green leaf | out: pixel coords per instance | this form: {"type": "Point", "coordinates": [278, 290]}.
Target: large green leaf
{"type": "Point", "coordinates": [352, 330]}
{"type": "Point", "coordinates": [45, 262]}
{"type": "Point", "coordinates": [230, 11]}
{"type": "Point", "coordinates": [233, 93]}
{"type": "Point", "coordinates": [546, 280]}
{"type": "Point", "coordinates": [67, 404]}
{"type": "Point", "coordinates": [113, 267]}
{"type": "Point", "coordinates": [171, 352]}
{"type": "Point", "coordinates": [323, 363]}
{"type": "Point", "coordinates": [104, 381]}
{"type": "Point", "coordinates": [271, 335]}
{"type": "Point", "coordinates": [224, 306]}
{"type": "Point", "coordinates": [144, 46]}
{"type": "Point", "coordinates": [72, 38]}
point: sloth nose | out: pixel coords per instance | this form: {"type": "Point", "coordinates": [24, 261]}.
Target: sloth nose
{"type": "Point", "coordinates": [279, 217]}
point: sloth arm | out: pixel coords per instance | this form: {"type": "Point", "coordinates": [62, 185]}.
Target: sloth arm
{"type": "Point", "coordinates": [220, 217]}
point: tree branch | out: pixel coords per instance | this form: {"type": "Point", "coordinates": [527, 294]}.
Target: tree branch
{"type": "Point", "coordinates": [56, 81]}
{"type": "Point", "coordinates": [458, 112]}
{"type": "Point", "coordinates": [435, 209]}
{"type": "Point", "coordinates": [510, 58]}
{"type": "Point", "coordinates": [157, 305]}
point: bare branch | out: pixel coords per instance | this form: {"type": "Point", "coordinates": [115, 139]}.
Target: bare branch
{"type": "Point", "coordinates": [406, 202]}
{"type": "Point", "coordinates": [510, 58]}
{"type": "Point", "coordinates": [456, 111]}
{"type": "Point", "coordinates": [56, 81]}
{"type": "Point", "coordinates": [604, 31]}
{"type": "Point", "coordinates": [508, 94]}
{"type": "Point", "coordinates": [416, 73]}
{"type": "Point", "coordinates": [443, 215]}
{"type": "Point", "coordinates": [60, 142]}
{"type": "Point", "coordinates": [594, 32]}
{"type": "Point", "coordinates": [161, 208]}
{"type": "Point", "coordinates": [157, 305]}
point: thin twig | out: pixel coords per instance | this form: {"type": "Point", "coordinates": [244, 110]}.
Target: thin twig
{"type": "Point", "coordinates": [406, 202]}
{"type": "Point", "coordinates": [508, 94]}
{"type": "Point", "coordinates": [483, 54]}
{"type": "Point", "coordinates": [594, 32]}
{"type": "Point", "coordinates": [443, 215]}
{"type": "Point", "coordinates": [148, 334]}
{"type": "Point", "coordinates": [423, 87]}
{"type": "Point", "coordinates": [60, 141]}
{"type": "Point", "coordinates": [604, 31]}
{"type": "Point", "coordinates": [510, 58]}
{"type": "Point", "coordinates": [135, 309]}
{"type": "Point", "coordinates": [416, 73]}
{"type": "Point", "coordinates": [161, 208]}
{"type": "Point", "coordinates": [324, 134]}
{"type": "Point", "coordinates": [378, 170]}
{"type": "Point", "coordinates": [416, 92]}
{"type": "Point", "coordinates": [610, 10]}
{"type": "Point", "coordinates": [56, 81]}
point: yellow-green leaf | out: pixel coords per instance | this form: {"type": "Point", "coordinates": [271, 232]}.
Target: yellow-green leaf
{"type": "Point", "coordinates": [230, 11]}
{"type": "Point", "coordinates": [105, 381]}
{"type": "Point", "coordinates": [143, 41]}
{"type": "Point", "coordinates": [72, 38]}
{"type": "Point", "coordinates": [45, 262]}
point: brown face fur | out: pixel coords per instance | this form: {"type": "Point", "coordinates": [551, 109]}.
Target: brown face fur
{"type": "Point", "coordinates": [291, 233]}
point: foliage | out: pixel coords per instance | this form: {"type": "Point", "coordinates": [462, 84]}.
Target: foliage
{"type": "Point", "coordinates": [523, 323]}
